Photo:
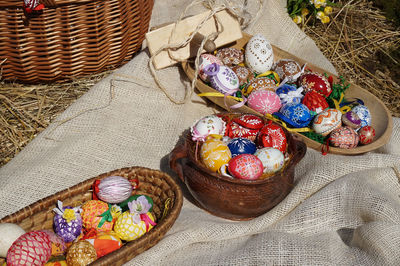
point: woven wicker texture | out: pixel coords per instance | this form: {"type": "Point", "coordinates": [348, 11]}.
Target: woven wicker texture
{"type": "Point", "coordinates": [166, 195]}
{"type": "Point", "coordinates": [70, 39]}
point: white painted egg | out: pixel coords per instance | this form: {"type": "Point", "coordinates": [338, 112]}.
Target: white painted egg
{"type": "Point", "coordinates": [271, 158]}
{"type": "Point", "coordinates": [259, 54]}
{"type": "Point", "coordinates": [327, 121]}
{"type": "Point", "coordinates": [206, 126]}
{"type": "Point", "coordinates": [9, 232]}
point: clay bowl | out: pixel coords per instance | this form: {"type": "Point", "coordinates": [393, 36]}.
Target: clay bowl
{"type": "Point", "coordinates": [229, 198]}
{"type": "Point", "coordinates": [381, 117]}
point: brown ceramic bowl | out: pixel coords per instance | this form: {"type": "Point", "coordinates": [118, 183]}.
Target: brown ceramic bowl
{"type": "Point", "coordinates": [230, 198]}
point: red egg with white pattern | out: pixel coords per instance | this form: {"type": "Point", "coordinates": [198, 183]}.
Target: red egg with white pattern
{"type": "Point", "coordinates": [272, 135]}
{"type": "Point", "coordinates": [246, 166]}
{"type": "Point", "coordinates": [316, 82]}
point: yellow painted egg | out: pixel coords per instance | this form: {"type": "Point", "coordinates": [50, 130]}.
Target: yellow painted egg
{"type": "Point", "coordinates": [215, 153]}
{"type": "Point", "coordinates": [81, 253]}
{"type": "Point", "coordinates": [127, 228]}
{"type": "Point", "coordinates": [91, 218]}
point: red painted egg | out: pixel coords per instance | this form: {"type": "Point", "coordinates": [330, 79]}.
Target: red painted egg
{"type": "Point", "coordinates": [272, 135]}
{"type": "Point", "coordinates": [246, 166]}
{"type": "Point", "coordinates": [249, 121]}
{"type": "Point", "coordinates": [315, 81]}
{"type": "Point", "coordinates": [344, 137]}
{"type": "Point", "coordinates": [234, 130]}
{"type": "Point", "coordinates": [367, 134]}
{"type": "Point", "coordinates": [315, 102]}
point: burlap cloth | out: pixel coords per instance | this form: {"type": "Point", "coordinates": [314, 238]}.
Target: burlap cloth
{"type": "Point", "coordinates": [342, 210]}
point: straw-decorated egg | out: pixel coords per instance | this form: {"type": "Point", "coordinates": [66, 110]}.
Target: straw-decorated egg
{"type": "Point", "coordinates": [258, 54]}
{"type": "Point", "coordinates": [272, 135]}
{"type": "Point", "coordinates": [97, 214]}
{"type": "Point", "coordinates": [240, 146]}
{"type": "Point", "coordinates": [327, 121]}
{"type": "Point", "coordinates": [57, 243]}
{"type": "Point", "coordinates": [264, 102]}
{"type": "Point", "coordinates": [249, 121]}
{"type": "Point", "coordinates": [214, 153]}
{"type": "Point", "coordinates": [344, 138]}
{"type": "Point", "coordinates": [222, 78]}
{"type": "Point", "coordinates": [287, 69]}
{"type": "Point", "coordinates": [105, 242]}
{"type": "Point", "coordinates": [271, 158]}
{"type": "Point", "coordinates": [81, 253]}
{"type": "Point", "coordinates": [136, 222]}
{"type": "Point", "coordinates": [234, 130]}
{"type": "Point", "coordinates": [262, 83]}
{"type": "Point", "coordinates": [243, 73]}
{"type": "Point", "coordinates": [205, 60]}
{"type": "Point", "coordinates": [32, 248]}
{"type": "Point", "coordinates": [366, 134]}
{"type": "Point", "coordinates": [230, 56]}
{"type": "Point", "coordinates": [113, 189]}
{"type": "Point", "coordinates": [246, 166]}
{"type": "Point", "coordinates": [315, 102]}
{"type": "Point", "coordinates": [289, 94]}
{"type": "Point", "coordinates": [295, 114]}
{"type": "Point", "coordinates": [67, 222]}
{"type": "Point", "coordinates": [9, 232]}
{"type": "Point", "coordinates": [364, 114]}
{"type": "Point", "coordinates": [315, 81]}
{"type": "Point", "coordinates": [206, 126]}
{"type": "Point", "coordinates": [352, 120]}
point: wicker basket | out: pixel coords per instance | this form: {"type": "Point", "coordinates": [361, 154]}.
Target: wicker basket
{"type": "Point", "coordinates": [158, 185]}
{"type": "Point", "coordinates": [70, 38]}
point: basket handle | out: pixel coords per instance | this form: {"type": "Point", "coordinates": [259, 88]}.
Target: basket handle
{"type": "Point", "coordinates": [301, 148]}
{"type": "Point", "coordinates": [178, 153]}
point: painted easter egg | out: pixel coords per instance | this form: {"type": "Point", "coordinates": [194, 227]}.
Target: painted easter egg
{"type": "Point", "coordinates": [246, 166]}
{"type": "Point", "coordinates": [32, 248]}
{"type": "Point", "coordinates": [315, 102]}
{"type": "Point", "coordinates": [295, 114]}
{"type": "Point", "coordinates": [205, 60]}
{"type": "Point", "coordinates": [105, 242]}
{"type": "Point", "coordinates": [289, 94]}
{"type": "Point", "coordinates": [367, 135]}
{"type": "Point", "coordinates": [230, 56]}
{"type": "Point", "coordinates": [206, 126]}
{"type": "Point", "coordinates": [315, 81]}
{"type": "Point", "coordinates": [262, 83]}
{"type": "Point", "coordinates": [258, 54]}
{"type": "Point", "coordinates": [249, 121]}
{"type": "Point", "coordinates": [214, 153]}
{"type": "Point", "coordinates": [113, 189]}
{"type": "Point", "coordinates": [244, 74]}
{"type": "Point", "coordinates": [91, 215]}
{"type": "Point", "coordinates": [327, 121]}
{"type": "Point", "coordinates": [222, 78]}
{"type": "Point", "coordinates": [364, 114]}
{"type": "Point", "coordinates": [9, 232]}
{"type": "Point", "coordinates": [264, 102]}
{"type": "Point", "coordinates": [67, 222]}
{"type": "Point", "coordinates": [352, 120]}
{"type": "Point", "coordinates": [58, 246]}
{"type": "Point", "coordinates": [239, 146]}
{"type": "Point", "coordinates": [235, 130]}
{"type": "Point", "coordinates": [130, 226]}
{"type": "Point", "coordinates": [344, 138]}
{"type": "Point", "coordinates": [287, 69]}
{"type": "Point", "coordinates": [271, 158]}
{"type": "Point", "coordinates": [81, 253]}
{"type": "Point", "coordinates": [272, 135]}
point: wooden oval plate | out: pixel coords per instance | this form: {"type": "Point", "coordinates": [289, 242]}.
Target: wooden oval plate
{"type": "Point", "coordinates": [381, 117]}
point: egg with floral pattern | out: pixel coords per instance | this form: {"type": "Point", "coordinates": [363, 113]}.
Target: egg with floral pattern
{"type": "Point", "coordinates": [259, 55]}
{"type": "Point", "coordinates": [244, 74]}
{"type": "Point", "coordinates": [208, 125]}
{"type": "Point", "coordinates": [246, 166]}
{"type": "Point", "coordinates": [344, 138]}
{"type": "Point", "coordinates": [315, 81]}
{"type": "Point", "coordinates": [287, 69]}
{"type": "Point", "coordinates": [239, 146]}
{"type": "Point", "coordinates": [264, 102]}
{"type": "Point", "coordinates": [272, 135]}
{"type": "Point", "coordinates": [364, 114]}
{"type": "Point", "coordinates": [222, 78]}
{"type": "Point", "coordinates": [205, 60]}
{"type": "Point", "coordinates": [215, 153]}
{"type": "Point", "coordinates": [262, 83]}
{"type": "Point", "coordinates": [230, 56]}
{"type": "Point", "coordinates": [271, 158]}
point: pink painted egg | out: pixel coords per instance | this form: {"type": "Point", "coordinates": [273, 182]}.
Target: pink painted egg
{"type": "Point", "coordinates": [264, 102]}
{"type": "Point", "coordinates": [205, 60]}
{"type": "Point", "coordinates": [327, 121]}
{"type": "Point", "coordinates": [344, 138]}
{"type": "Point", "coordinates": [206, 126]}
{"type": "Point", "coordinates": [271, 158]}
{"type": "Point", "coordinates": [215, 153]}
{"type": "Point", "coordinates": [315, 81]}
{"type": "Point", "coordinates": [366, 134]}
{"type": "Point", "coordinates": [246, 166]}
{"type": "Point", "coordinates": [287, 69]}
{"type": "Point", "coordinates": [272, 135]}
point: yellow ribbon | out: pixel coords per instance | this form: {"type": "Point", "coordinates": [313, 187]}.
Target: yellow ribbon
{"type": "Point", "coordinates": [280, 122]}
{"type": "Point", "coordinates": [218, 94]}
{"type": "Point", "coordinates": [269, 72]}
{"type": "Point", "coordinates": [343, 109]}
{"type": "Point", "coordinates": [166, 208]}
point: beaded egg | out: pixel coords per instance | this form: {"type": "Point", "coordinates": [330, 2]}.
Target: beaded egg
{"type": "Point", "coordinates": [315, 81]}
{"type": "Point", "coordinates": [327, 121]}
{"type": "Point", "coordinates": [295, 114]}
{"type": "Point", "coordinates": [271, 158]}
{"type": "Point", "coordinates": [205, 60]}
{"type": "Point", "coordinates": [272, 135]}
{"type": "Point", "coordinates": [364, 114]}
{"type": "Point", "coordinates": [67, 222]}
{"type": "Point", "coordinates": [344, 138]}
{"type": "Point", "coordinates": [259, 55]}
{"type": "Point", "coordinates": [206, 126]}
{"type": "Point", "coordinates": [264, 102]}
{"type": "Point", "coordinates": [230, 56]}
{"type": "Point", "coordinates": [366, 134]}
{"type": "Point", "coordinates": [315, 102]}
{"type": "Point", "coordinates": [243, 73]}
{"type": "Point", "coordinates": [95, 214]}
{"type": "Point", "coordinates": [81, 253]}
{"type": "Point", "coordinates": [222, 78]}
{"type": "Point", "coordinates": [239, 146]}
{"type": "Point", "coordinates": [352, 120]}
{"type": "Point", "coordinates": [113, 189]}
{"type": "Point", "coordinates": [287, 69]}
{"type": "Point", "coordinates": [246, 166]}
{"type": "Point", "coordinates": [214, 153]}
{"type": "Point", "coordinates": [262, 83]}
{"type": "Point", "coordinates": [9, 232]}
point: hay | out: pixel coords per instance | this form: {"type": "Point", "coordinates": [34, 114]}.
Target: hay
{"type": "Point", "coordinates": [354, 42]}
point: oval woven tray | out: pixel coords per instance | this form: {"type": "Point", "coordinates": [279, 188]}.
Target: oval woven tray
{"type": "Point", "coordinates": [158, 185]}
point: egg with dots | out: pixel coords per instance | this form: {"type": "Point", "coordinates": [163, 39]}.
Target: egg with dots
{"type": "Point", "coordinates": [287, 69]}
{"type": "Point", "coordinates": [364, 114]}
{"type": "Point", "coordinates": [316, 82]}
{"type": "Point", "coordinates": [244, 126]}
{"type": "Point", "coordinates": [271, 158]}
{"type": "Point", "coordinates": [259, 55]}
{"type": "Point", "coordinates": [327, 121]}
{"type": "Point", "coordinates": [272, 135]}
{"type": "Point", "coordinates": [97, 214]}
{"type": "Point", "coordinates": [264, 102]}
{"type": "Point", "coordinates": [344, 138]}
{"type": "Point", "coordinates": [244, 74]}
{"type": "Point", "coordinates": [208, 125]}
{"type": "Point", "coordinates": [367, 135]}
{"type": "Point", "coordinates": [246, 166]}
{"type": "Point", "coordinates": [214, 153]}
{"type": "Point", "coordinates": [261, 83]}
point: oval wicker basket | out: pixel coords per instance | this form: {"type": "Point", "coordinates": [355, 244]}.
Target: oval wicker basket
{"type": "Point", "coordinates": [70, 38]}
{"type": "Point", "coordinates": [158, 185]}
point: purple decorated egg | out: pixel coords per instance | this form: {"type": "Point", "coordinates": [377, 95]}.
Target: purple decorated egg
{"type": "Point", "coordinates": [264, 102]}
{"type": "Point", "coordinates": [239, 146]}
{"type": "Point", "coordinates": [366, 134]}
{"type": "Point", "coordinates": [352, 120]}
{"type": "Point", "coordinates": [344, 138]}
{"type": "Point", "coordinates": [222, 78]}
{"type": "Point", "coordinates": [245, 166]}
{"type": "Point", "coordinates": [205, 60]}
{"type": "Point", "coordinates": [67, 222]}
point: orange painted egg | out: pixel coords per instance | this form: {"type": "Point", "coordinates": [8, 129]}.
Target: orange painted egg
{"type": "Point", "coordinates": [215, 153]}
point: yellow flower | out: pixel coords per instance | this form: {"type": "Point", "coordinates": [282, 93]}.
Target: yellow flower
{"type": "Point", "coordinates": [304, 12]}
{"type": "Point", "coordinates": [297, 19]}
{"type": "Point", "coordinates": [328, 10]}
{"type": "Point", "coordinates": [320, 15]}
{"type": "Point", "coordinates": [325, 19]}
{"type": "Point", "coordinates": [317, 6]}
{"type": "Point", "coordinates": [69, 215]}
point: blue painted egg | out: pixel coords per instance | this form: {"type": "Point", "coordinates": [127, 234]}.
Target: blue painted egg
{"type": "Point", "coordinates": [364, 114]}
{"type": "Point", "coordinates": [241, 146]}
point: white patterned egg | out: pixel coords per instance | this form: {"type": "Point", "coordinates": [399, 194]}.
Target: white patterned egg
{"type": "Point", "coordinates": [271, 158]}
{"type": "Point", "coordinates": [259, 54]}
{"type": "Point", "coordinates": [206, 126]}
{"type": "Point", "coordinates": [364, 114]}
{"type": "Point", "coordinates": [327, 121]}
